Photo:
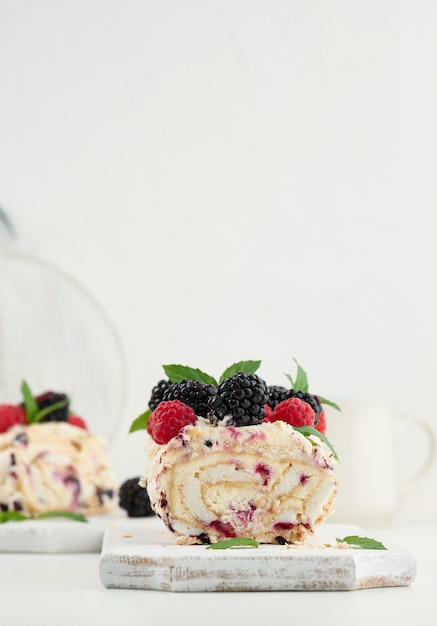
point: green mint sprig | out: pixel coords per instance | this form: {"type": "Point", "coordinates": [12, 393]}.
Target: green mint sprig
{"type": "Point", "coordinates": [33, 413]}
{"type": "Point", "coordinates": [30, 404]}
{"type": "Point", "coordinates": [309, 430]}
{"type": "Point", "coordinates": [177, 373]}
{"type": "Point", "coordinates": [323, 400]}
{"type": "Point", "coordinates": [12, 516]}
{"type": "Point", "coordinates": [140, 423]}
{"type": "Point", "coordinates": [300, 383]}
{"type": "Point", "coordinates": [76, 517]}
{"type": "Point", "coordinates": [235, 542]}
{"type": "Point", "coordinates": [247, 367]}
{"type": "Point", "coordinates": [365, 543]}
{"type": "Point", "coordinates": [17, 516]}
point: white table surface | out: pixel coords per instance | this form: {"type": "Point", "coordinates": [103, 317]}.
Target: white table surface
{"type": "Point", "coordinates": [59, 590]}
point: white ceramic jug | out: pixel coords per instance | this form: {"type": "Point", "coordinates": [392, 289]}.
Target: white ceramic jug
{"type": "Point", "coordinates": [383, 457]}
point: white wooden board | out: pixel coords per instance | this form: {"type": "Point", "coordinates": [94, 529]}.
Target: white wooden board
{"type": "Point", "coordinates": [145, 557]}
{"type": "Point", "coordinates": [57, 535]}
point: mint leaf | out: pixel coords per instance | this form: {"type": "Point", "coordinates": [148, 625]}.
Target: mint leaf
{"type": "Point", "coordinates": [247, 367]}
{"type": "Point", "coordinates": [30, 404]}
{"type": "Point", "coordinates": [362, 542]}
{"type": "Point", "coordinates": [235, 542]}
{"type": "Point", "coordinates": [301, 382]}
{"type": "Point", "coordinates": [309, 430]}
{"type": "Point", "coordinates": [77, 517]}
{"type": "Point", "coordinates": [16, 516]}
{"type": "Point", "coordinates": [140, 423]}
{"type": "Point", "coordinates": [12, 516]}
{"type": "Point", "coordinates": [325, 401]}
{"type": "Point", "coordinates": [177, 373]}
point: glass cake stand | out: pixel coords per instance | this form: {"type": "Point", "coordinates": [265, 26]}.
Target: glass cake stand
{"type": "Point", "coordinates": [56, 335]}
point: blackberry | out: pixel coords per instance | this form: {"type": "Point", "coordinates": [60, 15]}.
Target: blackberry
{"type": "Point", "coordinates": [157, 393]}
{"type": "Point", "coordinates": [312, 400]}
{"type": "Point", "coordinates": [49, 398]}
{"type": "Point", "coordinates": [240, 399]}
{"type": "Point", "coordinates": [193, 393]}
{"type": "Point", "coordinates": [134, 499]}
{"type": "Point", "coordinates": [275, 395]}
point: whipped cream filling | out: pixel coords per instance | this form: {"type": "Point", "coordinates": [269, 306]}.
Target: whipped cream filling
{"type": "Point", "coordinates": [264, 481]}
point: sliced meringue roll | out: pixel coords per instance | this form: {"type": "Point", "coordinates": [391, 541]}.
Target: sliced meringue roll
{"type": "Point", "coordinates": [267, 482]}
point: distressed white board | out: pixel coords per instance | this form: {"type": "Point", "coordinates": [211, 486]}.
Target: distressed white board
{"type": "Point", "coordinates": [145, 557]}
{"type": "Point", "coordinates": [57, 535]}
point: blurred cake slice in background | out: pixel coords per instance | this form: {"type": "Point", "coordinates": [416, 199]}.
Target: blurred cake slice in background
{"type": "Point", "coordinates": [50, 461]}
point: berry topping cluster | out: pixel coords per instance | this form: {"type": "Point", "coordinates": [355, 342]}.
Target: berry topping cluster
{"type": "Point", "coordinates": [49, 406]}
{"type": "Point", "coordinates": [239, 398]}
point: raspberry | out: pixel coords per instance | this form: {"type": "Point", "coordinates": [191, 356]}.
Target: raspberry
{"type": "Point", "coordinates": [311, 399]}
{"type": "Point", "coordinates": [11, 415]}
{"type": "Point", "coordinates": [269, 412]}
{"type": "Point", "coordinates": [75, 420]}
{"type": "Point", "coordinates": [279, 394]}
{"type": "Point", "coordinates": [150, 424]}
{"type": "Point", "coordinates": [134, 499]}
{"type": "Point", "coordinates": [295, 412]}
{"type": "Point", "coordinates": [321, 424]}
{"type": "Point", "coordinates": [168, 419]}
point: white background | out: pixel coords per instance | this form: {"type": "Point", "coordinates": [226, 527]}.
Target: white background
{"type": "Point", "coordinates": [235, 180]}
